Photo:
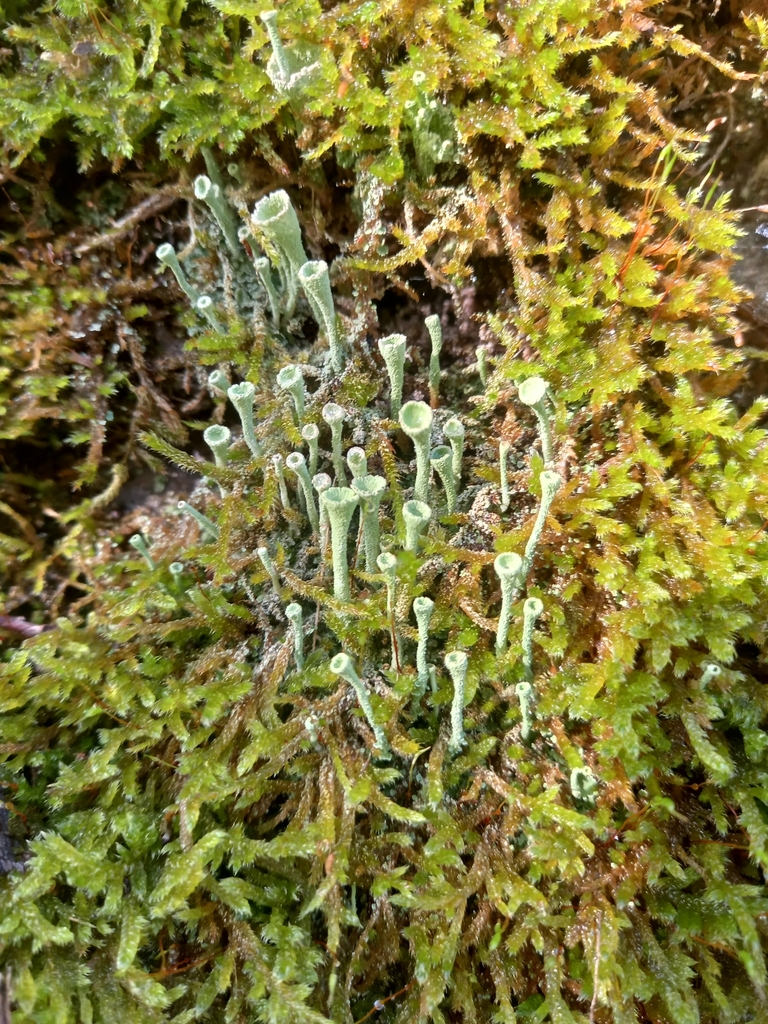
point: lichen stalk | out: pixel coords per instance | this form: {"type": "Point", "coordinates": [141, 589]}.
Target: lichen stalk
{"type": "Point", "coordinates": [204, 306]}
{"type": "Point", "coordinates": [441, 459]}
{"type": "Point", "coordinates": [269, 565]}
{"type": "Point", "coordinates": [416, 516]}
{"type": "Point", "coordinates": [504, 448]}
{"type": "Point", "coordinates": [291, 379]}
{"type": "Point", "coordinates": [295, 615]}
{"type": "Point", "coordinates": [334, 416]}
{"type": "Point", "coordinates": [297, 464]}
{"type": "Point", "coordinates": [357, 462]}
{"type": "Point", "coordinates": [454, 431]}
{"type": "Point", "coordinates": [139, 544]}
{"type": "Point", "coordinates": [423, 607]}
{"type": "Point", "coordinates": [387, 565]}
{"type": "Point", "coordinates": [311, 434]}
{"type": "Point", "coordinates": [341, 665]}
{"type": "Point", "coordinates": [370, 490]}
{"type": "Point", "coordinates": [167, 255]}
{"type": "Point", "coordinates": [532, 609]}
{"type": "Point", "coordinates": [242, 397]}
{"type": "Point", "coordinates": [340, 503]}
{"type": "Point", "coordinates": [456, 662]}
{"type": "Point", "coordinates": [533, 393]}
{"type": "Point", "coordinates": [416, 421]}
{"type": "Point", "coordinates": [550, 484]}
{"type": "Point", "coordinates": [509, 568]}
{"type": "Point", "coordinates": [525, 696]}
{"type": "Point", "coordinates": [278, 463]}
{"type": "Point", "coordinates": [315, 280]}
{"type": "Point", "coordinates": [392, 350]}
{"type": "Point", "coordinates": [212, 195]}
{"type": "Point", "coordinates": [321, 482]}
{"type": "Point", "coordinates": [202, 520]}
{"type": "Point", "coordinates": [436, 337]}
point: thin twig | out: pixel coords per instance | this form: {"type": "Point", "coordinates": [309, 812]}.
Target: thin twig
{"type": "Point", "coordinates": [147, 208]}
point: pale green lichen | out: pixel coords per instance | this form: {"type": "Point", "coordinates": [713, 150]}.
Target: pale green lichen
{"type": "Point", "coordinates": [295, 615]}
{"type": "Point", "coordinates": [416, 421]}
{"type": "Point", "coordinates": [532, 609]}
{"type": "Point", "coordinates": [370, 490]}
{"type": "Point", "coordinates": [341, 665]}
{"type": "Point", "coordinates": [242, 398]}
{"type": "Point", "coordinates": [297, 464]}
{"type": "Point", "coordinates": [334, 416]}
{"type": "Point", "coordinates": [202, 520]}
{"type": "Point", "coordinates": [423, 607]}
{"type": "Point", "coordinates": [340, 504]}
{"type": "Point", "coordinates": [392, 350]}
{"type": "Point", "coordinates": [454, 431]}
{"type": "Point", "coordinates": [416, 517]}
{"type": "Point", "coordinates": [441, 459]}
{"type": "Point", "coordinates": [509, 569]}
{"type": "Point", "coordinates": [533, 393]}
{"type": "Point", "coordinates": [456, 662]}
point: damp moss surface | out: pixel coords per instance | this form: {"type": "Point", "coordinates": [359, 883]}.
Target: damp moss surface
{"type": "Point", "coordinates": [335, 689]}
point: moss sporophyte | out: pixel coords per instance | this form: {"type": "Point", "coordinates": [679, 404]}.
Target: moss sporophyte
{"type": "Point", "coordinates": [439, 339]}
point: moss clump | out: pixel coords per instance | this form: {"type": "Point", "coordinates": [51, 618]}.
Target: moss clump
{"type": "Point", "coordinates": [565, 825]}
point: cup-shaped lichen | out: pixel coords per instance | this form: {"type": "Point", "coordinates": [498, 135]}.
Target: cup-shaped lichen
{"type": "Point", "coordinates": [416, 516]}
{"type": "Point", "coordinates": [509, 569]}
{"type": "Point", "coordinates": [341, 665]}
{"type": "Point", "coordinates": [533, 393]}
{"type": "Point", "coordinates": [340, 504]}
{"type": "Point", "coordinates": [276, 217]}
{"type": "Point", "coordinates": [442, 460]}
{"type": "Point", "coordinates": [334, 416]}
{"type": "Point", "coordinates": [242, 397]}
{"type": "Point", "coordinates": [532, 609]}
{"type": "Point", "coordinates": [298, 465]}
{"type": "Point", "coordinates": [357, 462]}
{"type": "Point", "coordinates": [311, 433]}
{"type": "Point", "coordinates": [218, 437]}
{"type": "Point", "coordinates": [204, 306]}
{"type": "Point", "coordinates": [422, 609]}
{"type": "Point", "coordinates": [286, 71]}
{"type": "Point", "coordinates": [321, 482]}
{"type": "Point", "coordinates": [218, 381]}
{"type": "Point", "coordinates": [291, 379]}
{"type": "Point", "coordinates": [454, 431]}
{"type": "Point", "coordinates": [314, 279]}
{"type": "Point", "coordinates": [456, 662]}
{"type": "Point", "coordinates": [139, 544]}
{"type": "Point", "coordinates": [369, 490]}
{"type": "Point", "coordinates": [416, 421]}
{"type": "Point", "coordinates": [278, 462]}
{"type": "Point", "coordinates": [212, 195]}
{"type": "Point", "coordinates": [167, 255]}
{"type": "Point", "coordinates": [711, 671]}
{"type": "Point", "coordinates": [295, 616]}
{"type": "Point", "coordinates": [392, 350]}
